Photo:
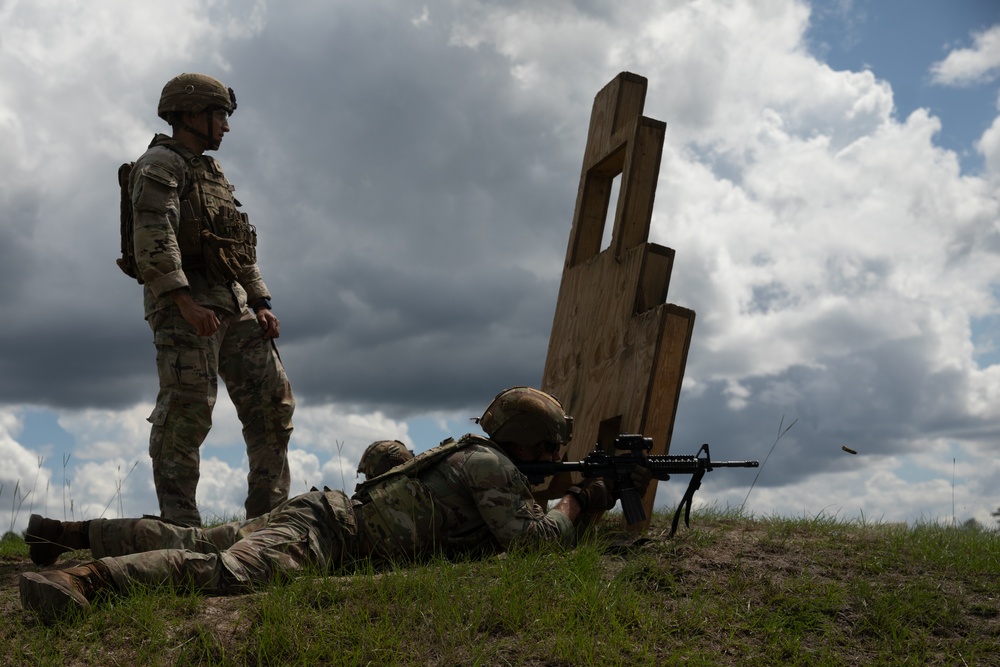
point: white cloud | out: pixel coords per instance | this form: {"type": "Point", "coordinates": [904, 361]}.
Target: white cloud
{"type": "Point", "coordinates": [305, 471]}
{"type": "Point", "coordinates": [989, 146]}
{"type": "Point", "coordinates": [59, 43]}
{"type": "Point", "coordinates": [980, 63]}
{"type": "Point", "coordinates": [340, 430]}
{"type": "Point", "coordinates": [24, 481]}
{"type": "Point", "coordinates": [109, 488]}
{"type": "Point", "coordinates": [222, 489]}
{"type": "Point", "coordinates": [102, 434]}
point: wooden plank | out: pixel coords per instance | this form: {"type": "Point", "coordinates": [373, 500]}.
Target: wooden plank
{"type": "Point", "coordinates": [620, 101]}
{"type": "Point", "coordinates": [665, 387]}
{"type": "Point", "coordinates": [638, 187]}
{"type": "Point", "coordinates": [654, 279]}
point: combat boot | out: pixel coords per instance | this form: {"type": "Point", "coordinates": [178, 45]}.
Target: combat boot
{"type": "Point", "coordinates": [48, 538]}
{"type": "Point", "coordinates": [54, 594]}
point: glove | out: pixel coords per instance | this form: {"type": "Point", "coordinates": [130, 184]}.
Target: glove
{"type": "Point", "coordinates": [593, 495]}
{"type": "Point", "coordinates": [641, 477]}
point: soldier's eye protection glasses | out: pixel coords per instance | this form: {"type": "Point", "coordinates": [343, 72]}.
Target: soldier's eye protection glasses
{"type": "Point", "coordinates": [220, 115]}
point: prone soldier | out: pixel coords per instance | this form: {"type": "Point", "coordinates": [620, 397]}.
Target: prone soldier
{"type": "Point", "coordinates": [461, 497]}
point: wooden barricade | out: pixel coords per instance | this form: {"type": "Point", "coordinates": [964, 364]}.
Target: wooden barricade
{"type": "Point", "coordinates": [617, 350]}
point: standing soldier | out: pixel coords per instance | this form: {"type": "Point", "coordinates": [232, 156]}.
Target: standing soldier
{"type": "Point", "coordinates": [195, 254]}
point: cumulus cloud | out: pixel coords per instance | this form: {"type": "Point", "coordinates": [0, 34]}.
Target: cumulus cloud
{"type": "Point", "coordinates": [989, 146]}
{"type": "Point", "coordinates": [966, 66]}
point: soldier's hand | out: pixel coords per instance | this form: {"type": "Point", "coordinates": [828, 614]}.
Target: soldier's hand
{"type": "Point", "coordinates": [593, 495]}
{"type": "Point", "coordinates": [641, 477]}
{"type": "Point", "coordinates": [268, 321]}
{"type": "Point", "coordinates": [204, 320]}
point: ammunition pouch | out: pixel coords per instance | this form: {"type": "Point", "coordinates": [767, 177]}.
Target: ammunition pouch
{"type": "Point", "coordinates": [235, 226]}
{"type": "Point", "coordinates": [221, 249]}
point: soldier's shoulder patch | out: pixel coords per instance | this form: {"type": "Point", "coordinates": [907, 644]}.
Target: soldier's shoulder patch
{"type": "Point", "coordinates": [159, 173]}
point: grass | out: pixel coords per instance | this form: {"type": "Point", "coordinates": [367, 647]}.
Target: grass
{"type": "Point", "coordinates": [732, 590]}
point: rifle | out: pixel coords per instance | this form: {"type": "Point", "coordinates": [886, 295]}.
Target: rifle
{"type": "Point", "coordinates": [618, 468]}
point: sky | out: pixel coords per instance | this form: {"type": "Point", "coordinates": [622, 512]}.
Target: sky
{"type": "Point", "coordinates": [829, 183]}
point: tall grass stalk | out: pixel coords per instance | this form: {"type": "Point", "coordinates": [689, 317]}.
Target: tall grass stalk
{"type": "Point", "coordinates": [17, 500]}
{"type": "Point", "coordinates": [65, 484]}
{"type": "Point", "coordinates": [34, 485]}
{"type": "Point", "coordinates": [781, 433]}
{"type": "Point", "coordinates": [118, 490]}
{"type": "Point", "coordinates": [340, 464]}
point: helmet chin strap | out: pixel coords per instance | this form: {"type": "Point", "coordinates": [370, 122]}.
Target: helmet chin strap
{"type": "Point", "coordinates": [210, 143]}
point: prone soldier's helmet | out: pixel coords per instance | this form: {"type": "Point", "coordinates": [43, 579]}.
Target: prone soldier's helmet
{"type": "Point", "coordinates": [193, 93]}
{"type": "Point", "coordinates": [381, 456]}
{"type": "Point", "coordinates": [527, 417]}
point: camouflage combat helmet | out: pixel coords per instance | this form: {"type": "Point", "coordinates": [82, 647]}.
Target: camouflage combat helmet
{"type": "Point", "coordinates": [381, 456]}
{"type": "Point", "coordinates": [193, 93]}
{"type": "Point", "coordinates": [527, 417]}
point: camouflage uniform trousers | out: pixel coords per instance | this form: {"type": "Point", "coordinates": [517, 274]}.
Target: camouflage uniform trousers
{"type": "Point", "coordinates": [315, 531]}
{"type": "Point", "coordinates": [189, 367]}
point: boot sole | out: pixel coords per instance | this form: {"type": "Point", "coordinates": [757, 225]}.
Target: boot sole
{"type": "Point", "coordinates": [47, 598]}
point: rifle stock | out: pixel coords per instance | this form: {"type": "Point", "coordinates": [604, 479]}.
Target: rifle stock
{"type": "Point", "coordinates": [618, 468]}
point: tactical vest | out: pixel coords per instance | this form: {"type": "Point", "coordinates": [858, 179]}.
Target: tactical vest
{"type": "Point", "coordinates": [213, 236]}
{"type": "Point", "coordinates": [398, 512]}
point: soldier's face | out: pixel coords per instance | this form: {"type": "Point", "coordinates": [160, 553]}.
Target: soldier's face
{"type": "Point", "coordinates": [218, 124]}
{"type": "Point", "coordinates": [535, 454]}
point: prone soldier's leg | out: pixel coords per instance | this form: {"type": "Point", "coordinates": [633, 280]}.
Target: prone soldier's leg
{"type": "Point", "coordinates": [259, 388]}
{"type": "Point", "coordinates": [168, 567]}
{"type": "Point", "coordinates": [120, 537]}
{"type": "Point", "coordinates": [314, 530]}
{"type": "Point", "coordinates": [187, 365]}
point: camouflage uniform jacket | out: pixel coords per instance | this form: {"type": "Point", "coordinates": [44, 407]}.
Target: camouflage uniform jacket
{"type": "Point", "coordinates": [157, 182]}
{"type": "Point", "coordinates": [473, 500]}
